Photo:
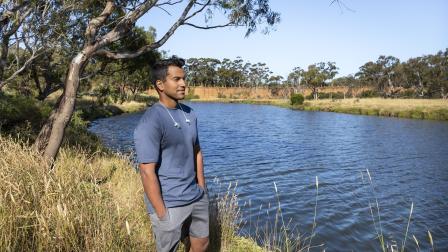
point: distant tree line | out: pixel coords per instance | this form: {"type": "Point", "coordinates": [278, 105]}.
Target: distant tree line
{"type": "Point", "coordinates": [420, 77]}
{"type": "Point", "coordinates": [425, 76]}
{"type": "Point", "coordinates": [211, 72]}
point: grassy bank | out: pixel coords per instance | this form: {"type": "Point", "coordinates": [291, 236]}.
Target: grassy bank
{"type": "Point", "coordinates": [275, 102]}
{"type": "Point", "coordinates": [405, 108]}
{"type": "Point", "coordinates": [88, 202]}
{"type": "Point", "coordinates": [432, 109]}
{"type": "Point", "coordinates": [92, 199]}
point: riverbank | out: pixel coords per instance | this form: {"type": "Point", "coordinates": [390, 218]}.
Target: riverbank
{"type": "Point", "coordinates": [431, 109]}
{"type": "Point", "coordinates": [92, 198]}
{"type": "Point", "coordinates": [89, 201]}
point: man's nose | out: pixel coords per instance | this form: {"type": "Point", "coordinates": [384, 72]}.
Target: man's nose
{"type": "Point", "coordinates": [182, 83]}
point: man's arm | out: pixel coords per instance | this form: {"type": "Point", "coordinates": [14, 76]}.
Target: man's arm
{"type": "Point", "coordinates": [199, 167]}
{"type": "Point", "coordinates": [151, 186]}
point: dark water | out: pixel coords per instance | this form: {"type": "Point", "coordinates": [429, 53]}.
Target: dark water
{"type": "Point", "coordinates": [258, 145]}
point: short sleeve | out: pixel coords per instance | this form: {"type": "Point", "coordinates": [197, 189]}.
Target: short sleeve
{"type": "Point", "coordinates": [147, 139]}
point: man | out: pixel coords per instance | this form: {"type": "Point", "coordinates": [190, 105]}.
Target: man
{"type": "Point", "coordinates": [171, 164]}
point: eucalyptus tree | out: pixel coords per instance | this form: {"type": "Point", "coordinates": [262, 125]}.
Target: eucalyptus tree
{"type": "Point", "coordinates": [275, 80]}
{"type": "Point", "coordinates": [192, 71]}
{"type": "Point", "coordinates": [438, 71]}
{"type": "Point", "coordinates": [295, 77]}
{"type": "Point", "coordinates": [314, 78]}
{"type": "Point", "coordinates": [317, 75]}
{"type": "Point", "coordinates": [202, 71]}
{"type": "Point", "coordinates": [388, 65]}
{"type": "Point", "coordinates": [13, 15]}
{"type": "Point", "coordinates": [416, 73]}
{"type": "Point", "coordinates": [370, 74]}
{"type": "Point", "coordinates": [259, 74]}
{"type": "Point", "coordinates": [104, 23]}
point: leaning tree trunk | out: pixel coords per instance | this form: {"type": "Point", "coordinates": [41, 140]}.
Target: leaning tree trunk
{"type": "Point", "coordinates": [3, 59]}
{"type": "Point", "coordinates": [50, 136]}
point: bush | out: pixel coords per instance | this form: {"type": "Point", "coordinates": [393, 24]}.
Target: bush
{"type": "Point", "coordinates": [297, 99]}
{"type": "Point", "coordinates": [323, 95]}
{"type": "Point", "coordinates": [337, 95]}
{"type": "Point", "coordinates": [21, 114]}
{"type": "Point", "coordinates": [369, 94]}
{"type": "Point", "coordinates": [145, 98]}
{"type": "Point", "coordinates": [191, 94]}
{"type": "Point", "coordinates": [309, 97]}
{"type": "Point", "coordinates": [221, 95]}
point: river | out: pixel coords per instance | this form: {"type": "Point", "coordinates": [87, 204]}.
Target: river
{"type": "Point", "coordinates": [257, 145]}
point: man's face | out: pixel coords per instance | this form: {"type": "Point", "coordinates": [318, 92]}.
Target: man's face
{"type": "Point", "coordinates": [174, 86]}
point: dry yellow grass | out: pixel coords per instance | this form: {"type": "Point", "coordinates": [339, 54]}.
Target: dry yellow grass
{"type": "Point", "coordinates": [436, 109]}
{"type": "Point", "coordinates": [87, 202]}
{"type": "Point", "coordinates": [132, 106]}
{"type": "Point", "coordinates": [78, 206]}
{"type": "Point", "coordinates": [381, 103]}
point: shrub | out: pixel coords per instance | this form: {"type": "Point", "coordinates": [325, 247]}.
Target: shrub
{"type": "Point", "coordinates": [369, 94]}
{"type": "Point", "coordinates": [324, 95]}
{"type": "Point", "coordinates": [221, 95]}
{"type": "Point", "coordinates": [297, 99]}
{"type": "Point", "coordinates": [145, 98]}
{"type": "Point", "coordinates": [309, 97]}
{"type": "Point", "coordinates": [337, 95]}
{"type": "Point", "coordinates": [21, 114]}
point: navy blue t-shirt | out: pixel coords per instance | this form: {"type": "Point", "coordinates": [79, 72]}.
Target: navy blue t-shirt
{"type": "Point", "coordinates": [158, 140]}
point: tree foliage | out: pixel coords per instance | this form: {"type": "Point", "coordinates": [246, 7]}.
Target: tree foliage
{"type": "Point", "coordinates": [85, 35]}
{"type": "Point", "coordinates": [425, 76]}
{"type": "Point", "coordinates": [211, 72]}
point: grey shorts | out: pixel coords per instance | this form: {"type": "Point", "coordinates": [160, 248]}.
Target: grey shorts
{"type": "Point", "coordinates": [179, 222]}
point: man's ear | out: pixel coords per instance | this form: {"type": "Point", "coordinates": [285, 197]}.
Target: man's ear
{"type": "Point", "coordinates": [159, 85]}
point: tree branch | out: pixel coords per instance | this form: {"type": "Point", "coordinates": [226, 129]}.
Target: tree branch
{"type": "Point", "coordinates": [18, 21]}
{"type": "Point", "coordinates": [168, 3]}
{"type": "Point", "coordinates": [198, 11]}
{"type": "Point", "coordinates": [125, 24]}
{"type": "Point", "coordinates": [24, 66]}
{"type": "Point", "coordinates": [210, 27]}
{"type": "Point", "coordinates": [95, 23]}
{"type": "Point", "coordinates": [144, 49]}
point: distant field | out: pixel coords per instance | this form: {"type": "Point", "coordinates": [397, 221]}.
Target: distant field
{"type": "Point", "coordinates": [434, 109]}
{"type": "Point", "coordinates": [381, 103]}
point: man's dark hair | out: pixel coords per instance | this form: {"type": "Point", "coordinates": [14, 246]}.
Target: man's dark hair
{"type": "Point", "coordinates": [160, 68]}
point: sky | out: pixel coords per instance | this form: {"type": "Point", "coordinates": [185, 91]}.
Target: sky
{"type": "Point", "coordinates": [311, 31]}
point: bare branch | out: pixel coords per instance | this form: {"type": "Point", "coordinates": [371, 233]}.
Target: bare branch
{"type": "Point", "coordinates": [211, 27]}
{"type": "Point", "coordinates": [159, 43]}
{"type": "Point", "coordinates": [168, 3]}
{"type": "Point", "coordinates": [125, 24]}
{"type": "Point", "coordinates": [18, 71]}
{"type": "Point", "coordinates": [173, 28]}
{"type": "Point", "coordinates": [198, 11]}
{"type": "Point", "coordinates": [169, 14]}
{"type": "Point", "coordinates": [18, 21]}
